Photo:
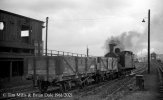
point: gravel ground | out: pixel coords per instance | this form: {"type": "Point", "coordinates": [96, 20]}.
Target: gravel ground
{"type": "Point", "coordinates": [151, 88]}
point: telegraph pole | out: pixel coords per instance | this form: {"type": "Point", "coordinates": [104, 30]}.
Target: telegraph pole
{"type": "Point", "coordinates": [47, 60]}
{"type": "Point", "coordinates": [46, 35]}
{"type": "Point", "coordinates": [149, 41]}
{"type": "Point", "coordinates": [87, 51]}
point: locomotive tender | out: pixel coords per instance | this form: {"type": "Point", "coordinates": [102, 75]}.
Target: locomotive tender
{"type": "Point", "coordinates": [66, 72]}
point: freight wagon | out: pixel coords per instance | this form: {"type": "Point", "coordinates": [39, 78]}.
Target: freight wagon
{"type": "Point", "coordinates": [66, 72]}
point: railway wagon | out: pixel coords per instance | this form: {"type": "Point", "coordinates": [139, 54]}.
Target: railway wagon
{"type": "Point", "coordinates": [66, 72]}
{"type": "Point", "coordinates": [62, 71]}
{"type": "Point", "coordinates": [107, 64]}
{"type": "Point", "coordinates": [108, 68]}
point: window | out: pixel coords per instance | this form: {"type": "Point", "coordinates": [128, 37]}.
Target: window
{"type": "Point", "coordinates": [25, 33]}
{"type": "Point", "coordinates": [2, 25]}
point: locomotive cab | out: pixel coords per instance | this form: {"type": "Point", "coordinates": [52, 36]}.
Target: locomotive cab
{"type": "Point", "coordinates": [126, 60]}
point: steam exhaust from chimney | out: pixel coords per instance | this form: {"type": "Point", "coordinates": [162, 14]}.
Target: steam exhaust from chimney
{"type": "Point", "coordinates": [125, 41]}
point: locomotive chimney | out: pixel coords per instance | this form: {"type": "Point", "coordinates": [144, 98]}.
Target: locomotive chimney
{"type": "Point", "coordinates": [111, 46]}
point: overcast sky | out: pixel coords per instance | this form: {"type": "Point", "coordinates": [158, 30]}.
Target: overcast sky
{"type": "Point", "coordinates": [74, 24]}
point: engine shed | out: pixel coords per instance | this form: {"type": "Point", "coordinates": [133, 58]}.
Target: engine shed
{"type": "Point", "coordinates": [20, 37]}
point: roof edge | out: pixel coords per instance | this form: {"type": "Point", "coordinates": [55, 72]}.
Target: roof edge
{"type": "Point", "coordinates": [3, 11]}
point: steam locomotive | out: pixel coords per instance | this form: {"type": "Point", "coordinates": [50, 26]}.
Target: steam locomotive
{"type": "Point", "coordinates": [66, 72]}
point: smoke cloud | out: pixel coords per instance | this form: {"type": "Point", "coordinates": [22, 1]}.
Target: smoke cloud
{"type": "Point", "coordinates": [137, 41]}
{"type": "Point", "coordinates": [126, 41]}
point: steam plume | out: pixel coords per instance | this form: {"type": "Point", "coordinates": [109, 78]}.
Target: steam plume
{"type": "Point", "coordinates": [126, 41]}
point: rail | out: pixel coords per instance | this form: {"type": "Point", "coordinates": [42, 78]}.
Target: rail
{"type": "Point", "coordinates": [62, 53]}
{"type": "Point", "coordinates": [160, 73]}
{"type": "Point", "coordinates": [160, 76]}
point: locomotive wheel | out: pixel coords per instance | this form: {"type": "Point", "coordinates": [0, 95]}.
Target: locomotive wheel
{"type": "Point", "coordinates": [66, 86]}
{"type": "Point", "coordinates": [63, 87]}
{"type": "Point", "coordinates": [42, 86]}
{"type": "Point", "coordinates": [69, 85]}
{"type": "Point", "coordinates": [80, 84]}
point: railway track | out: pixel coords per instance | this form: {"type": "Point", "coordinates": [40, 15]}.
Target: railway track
{"type": "Point", "coordinates": [115, 83]}
{"type": "Point", "coordinates": [126, 82]}
{"type": "Point", "coordinates": [115, 87]}
{"type": "Point", "coordinates": [17, 89]}
{"type": "Point", "coordinates": [160, 75]}
{"type": "Point", "coordinates": [112, 87]}
{"type": "Point", "coordinates": [16, 92]}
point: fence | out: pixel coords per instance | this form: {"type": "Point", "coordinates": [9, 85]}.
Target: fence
{"type": "Point", "coordinates": [62, 53]}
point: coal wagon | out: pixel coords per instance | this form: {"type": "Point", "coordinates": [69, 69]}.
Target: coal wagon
{"type": "Point", "coordinates": [60, 71]}
{"type": "Point", "coordinates": [66, 72]}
